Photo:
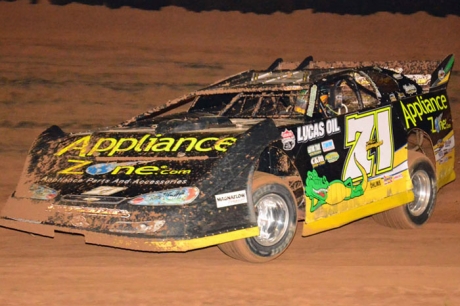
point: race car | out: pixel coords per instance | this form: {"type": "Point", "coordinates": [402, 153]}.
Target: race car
{"type": "Point", "coordinates": [239, 163]}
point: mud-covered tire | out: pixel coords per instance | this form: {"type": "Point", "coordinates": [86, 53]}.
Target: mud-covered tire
{"type": "Point", "coordinates": [416, 213]}
{"type": "Point", "coordinates": [276, 212]}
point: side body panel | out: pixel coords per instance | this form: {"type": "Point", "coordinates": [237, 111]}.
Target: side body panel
{"type": "Point", "coordinates": [431, 115]}
{"type": "Point", "coordinates": [358, 167]}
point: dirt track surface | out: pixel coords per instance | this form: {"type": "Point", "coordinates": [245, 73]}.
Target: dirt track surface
{"type": "Point", "coordinates": [82, 67]}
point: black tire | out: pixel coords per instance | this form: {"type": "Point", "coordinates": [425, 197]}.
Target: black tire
{"type": "Point", "coordinates": [274, 237]}
{"type": "Point", "coordinates": [417, 213]}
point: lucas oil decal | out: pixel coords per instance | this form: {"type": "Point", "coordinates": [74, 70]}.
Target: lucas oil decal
{"type": "Point", "coordinates": [317, 130]}
{"type": "Point", "coordinates": [148, 143]}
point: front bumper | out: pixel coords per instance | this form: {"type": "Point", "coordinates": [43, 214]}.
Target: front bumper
{"type": "Point", "coordinates": [42, 218]}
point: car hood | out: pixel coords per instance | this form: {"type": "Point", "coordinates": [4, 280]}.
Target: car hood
{"type": "Point", "coordinates": [126, 162]}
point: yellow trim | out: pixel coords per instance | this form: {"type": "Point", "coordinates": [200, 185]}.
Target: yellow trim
{"type": "Point", "coordinates": [445, 79]}
{"type": "Point", "coordinates": [400, 156]}
{"type": "Point", "coordinates": [445, 172]}
{"type": "Point", "coordinates": [378, 189]}
{"type": "Point", "coordinates": [345, 217]}
{"type": "Point", "coordinates": [132, 243]}
{"type": "Point", "coordinates": [198, 243]}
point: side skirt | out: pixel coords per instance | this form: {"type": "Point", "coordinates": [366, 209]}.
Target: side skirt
{"type": "Point", "coordinates": [343, 218]}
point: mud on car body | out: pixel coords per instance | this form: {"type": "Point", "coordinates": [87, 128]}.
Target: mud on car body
{"type": "Point", "coordinates": [237, 164]}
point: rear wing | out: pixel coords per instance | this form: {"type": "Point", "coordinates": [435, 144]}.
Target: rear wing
{"type": "Point", "coordinates": [440, 76]}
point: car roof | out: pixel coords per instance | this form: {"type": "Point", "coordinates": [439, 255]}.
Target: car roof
{"type": "Point", "coordinates": [286, 76]}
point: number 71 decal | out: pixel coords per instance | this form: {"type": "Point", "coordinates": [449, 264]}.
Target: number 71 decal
{"type": "Point", "coordinates": [369, 137]}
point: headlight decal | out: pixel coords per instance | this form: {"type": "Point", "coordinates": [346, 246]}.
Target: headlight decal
{"type": "Point", "coordinates": [177, 196]}
{"type": "Point", "coordinates": [42, 193]}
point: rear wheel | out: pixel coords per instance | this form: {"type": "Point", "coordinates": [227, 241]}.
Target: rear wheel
{"type": "Point", "coordinates": [418, 212]}
{"type": "Point", "coordinates": [276, 212]}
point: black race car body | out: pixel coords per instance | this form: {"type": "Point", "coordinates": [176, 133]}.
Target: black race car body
{"type": "Point", "coordinates": [236, 164]}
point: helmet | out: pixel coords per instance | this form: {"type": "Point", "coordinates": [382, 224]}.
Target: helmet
{"type": "Point", "coordinates": [324, 95]}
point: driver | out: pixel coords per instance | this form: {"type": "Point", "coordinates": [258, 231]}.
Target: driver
{"type": "Point", "coordinates": [301, 102]}
{"type": "Point", "coordinates": [324, 96]}
{"type": "Point", "coordinates": [335, 105]}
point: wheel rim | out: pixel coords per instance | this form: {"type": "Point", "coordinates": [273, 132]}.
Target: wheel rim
{"type": "Point", "coordinates": [272, 219]}
{"type": "Point", "coordinates": [422, 193]}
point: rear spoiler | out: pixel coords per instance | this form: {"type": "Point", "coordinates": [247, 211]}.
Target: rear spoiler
{"type": "Point", "coordinates": [440, 76]}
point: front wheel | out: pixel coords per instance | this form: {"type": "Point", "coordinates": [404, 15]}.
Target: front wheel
{"type": "Point", "coordinates": [276, 212]}
{"type": "Point", "coordinates": [418, 212]}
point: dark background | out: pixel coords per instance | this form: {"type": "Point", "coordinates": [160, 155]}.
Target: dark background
{"type": "Point", "coordinates": [355, 7]}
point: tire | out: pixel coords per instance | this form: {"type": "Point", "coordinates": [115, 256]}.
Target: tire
{"type": "Point", "coordinates": [416, 213]}
{"type": "Point", "coordinates": [277, 223]}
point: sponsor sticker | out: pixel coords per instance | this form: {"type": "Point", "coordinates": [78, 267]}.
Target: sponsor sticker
{"type": "Point", "coordinates": [128, 168]}
{"type": "Point", "coordinates": [376, 183]}
{"type": "Point", "coordinates": [332, 157]}
{"type": "Point", "coordinates": [109, 146]}
{"type": "Point", "coordinates": [410, 89]}
{"type": "Point", "coordinates": [91, 180]}
{"type": "Point", "coordinates": [42, 193]}
{"type": "Point", "coordinates": [178, 196]}
{"type": "Point", "coordinates": [388, 179]}
{"type": "Point", "coordinates": [417, 110]}
{"type": "Point", "coordinates": [314, 149]}
{"type": "Point", "coordinates": [231, 198]}
{"type": "Point", "coordinates": [327, 145]}
{"type": "Point", "coordinates": [317, 161]}
{"type": "Point", "coordinates": [288, 139]}
{"type": "Point", "coordinates": [441, 74]}
{"type": "Point", "coordinates": [317, 130]}
{"type": "Point", "coordinates": [104, 190]}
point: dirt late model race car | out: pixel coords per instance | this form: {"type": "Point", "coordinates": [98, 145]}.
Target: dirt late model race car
{"type": "Point", "coordinates": [237, 164]}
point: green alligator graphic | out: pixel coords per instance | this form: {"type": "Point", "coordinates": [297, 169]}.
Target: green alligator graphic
{"type": "Point", "coordinates": [321, 192]}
